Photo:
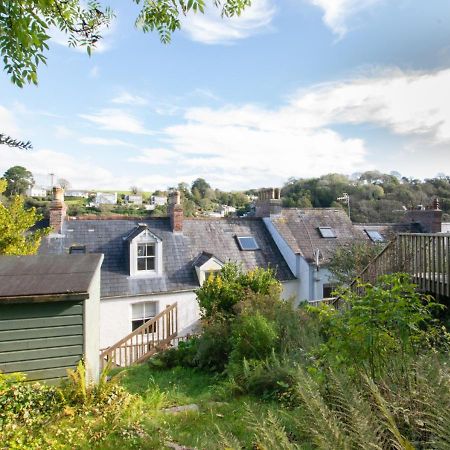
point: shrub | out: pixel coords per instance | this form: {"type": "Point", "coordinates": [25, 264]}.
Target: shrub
{"type": "Point", "coordinates": [25, 402]}
{"type": "Point", "coordinates": [253, 337]}
{"type": "Point", "coordinates": [214, 346]}
{"type": "Point", "coordinates": [386, 324]}
{"type": "Point", "coordinates": [219, 295]}
{"type": "Point", "coordinates": [184, 355]}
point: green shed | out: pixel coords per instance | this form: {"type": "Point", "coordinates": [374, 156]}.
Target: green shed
{"type": "Point", "coordinates": [49, 314]}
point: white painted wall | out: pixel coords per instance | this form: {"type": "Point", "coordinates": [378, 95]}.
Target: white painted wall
{"type": "Point", "coordinates": [289, 291]}
{"type": "Point", "coordinates": [115, 314]}
{"type": "Point", "coordinates": [91, 330]}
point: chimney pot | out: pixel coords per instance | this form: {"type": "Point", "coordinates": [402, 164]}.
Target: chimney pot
{"type": "Point", "coordinates": [176, 212]}
{"type": "Point", "coordinates": [57, 210]}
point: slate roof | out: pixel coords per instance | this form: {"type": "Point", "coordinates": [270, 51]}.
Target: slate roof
{"type": "Point", "coordinates": [25, 276]}
{"type": "Point", "coordinates": [203, 258]}
{"type": "Point", "coordinates": [389, 230]}
{"type": "Point", "coordinates": [299, 228]}
{"type": "Point", "coordinates": [216, 236]}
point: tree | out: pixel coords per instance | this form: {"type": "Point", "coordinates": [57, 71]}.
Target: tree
{"type": "Point", "coordinates": [65, 184]}
{"type": "Point", "coordinates": [201, 187]}
{"type": "Point", "coordinates": [25, 26]}
{"type": "Point", "coordinates": [11, 142]}
{"type": "Point", "coordinates": [348, 261]}
{"type": "Point", "coordinates": [15, 223]}
{"type": "Point", "coordinates": [18, 180]}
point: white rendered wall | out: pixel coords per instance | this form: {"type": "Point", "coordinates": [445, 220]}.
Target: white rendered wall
{"type": "Point", "coordinates": [115, 314]}
{"type": "Point", "coordinates": [91, 330]}
{"type": "Point", "coordinates": [289, 291]}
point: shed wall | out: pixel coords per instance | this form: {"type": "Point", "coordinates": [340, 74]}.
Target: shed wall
{"type": "Point", "coordinates": [41, 339]}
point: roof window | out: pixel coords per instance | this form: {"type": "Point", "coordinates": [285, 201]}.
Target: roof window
{"type": "Point", "coordinates": [374, 235]}
{"type": "Point", "coordinates": [247, 243]}
{"type": "Point", "coordinates": [327, 232]}
{"type": "Point", "coordinates": [77, 250]}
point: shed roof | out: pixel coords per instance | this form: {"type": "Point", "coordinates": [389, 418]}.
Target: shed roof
{"type": "Point", "coordinates": [46, 275]}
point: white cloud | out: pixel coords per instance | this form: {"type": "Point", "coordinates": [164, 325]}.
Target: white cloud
{"type": "Point", "coordinates": [154, 156]}
{"type": "Point", "coordinates": [125, 98]}
{"type": "Point", "coordinates": [211, 28]}
{"type": "Point", "coordinates": [116, 120]}
{"type": "Point", "coordinates": [413, 103]}
{"type": "Point", "coordinates": [80, 172]}
{"type": "Point", "coordinates": [337, 12]}
{"type": "Point", "coordinates": [62, 132]}
{"type": "Point", "coordinates": [7, 122]}
{"type": "Point", "coordinates": [106, 142]}
{"type": "Point", "coordinates": [94, 72]}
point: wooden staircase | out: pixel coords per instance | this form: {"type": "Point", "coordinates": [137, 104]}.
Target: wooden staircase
{"type": "Point", "coordinates": [153, 336]}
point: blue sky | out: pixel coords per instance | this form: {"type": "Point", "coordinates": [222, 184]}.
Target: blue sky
{"type": "Point", "coordinates": [292, 88]}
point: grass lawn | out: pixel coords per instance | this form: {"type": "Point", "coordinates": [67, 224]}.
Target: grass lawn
{"type": "Point", "coordinates": [218, 416]}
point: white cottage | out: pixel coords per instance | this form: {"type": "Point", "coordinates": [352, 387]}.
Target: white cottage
{"type": "Point", "coordinates": [152, 263]}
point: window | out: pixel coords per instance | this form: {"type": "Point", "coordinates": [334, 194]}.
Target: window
{"type": "Point", "coordinates": [77, 249]}
{"type": "Point", "coordinates": [375, 236]}
{"type": "Point", "coordinates": [141, 313]}
{"type": "Point", "coordinates": [208, 273]}
{"type": "Point", "coordinates": [247, 243]}
{"type": "Point", "coordinates": [327, 232]}
{"type": "Point", "coordinates": [145, 257]}
{"type": "Point", "coordinates": [327, 290]}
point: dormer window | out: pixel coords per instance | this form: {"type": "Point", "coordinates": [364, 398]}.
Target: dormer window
{"type": "Point", "coordinates": [146, 255]}
{"type": "Point", "coordinates": [206, 265]}
{"type": "Point", "coordinates": [145, 252]}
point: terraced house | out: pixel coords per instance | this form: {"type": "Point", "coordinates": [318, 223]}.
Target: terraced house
{"type": "Point", "coordinates": [153, 263]}
{"type": "Point", "coordinates": [152, 267]}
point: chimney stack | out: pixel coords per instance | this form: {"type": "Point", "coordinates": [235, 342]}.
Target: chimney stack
{"type": "Point", "coordinates": [175, 212]}
{"type": "Point", "coordinates": [429, 219]}
{"type": "Point", "coordinates": [268, 203]}
{"type": "Point", "coordinates": [57, 210]}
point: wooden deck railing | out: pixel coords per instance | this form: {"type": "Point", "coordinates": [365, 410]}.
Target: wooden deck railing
{"type": "Point", "coordinates": [154, 335]}
{"type": "Point", "coordinates": [425, 256]}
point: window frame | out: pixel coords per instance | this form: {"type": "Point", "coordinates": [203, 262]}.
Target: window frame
{"type": "Point", "coordinates": [321, 231]}
{"type": "Point", "coordinates": [375, 241]}
{"type": "Point", "coordinates": [146, 257]}
{"type": "Point", "coordinates": [242, 248]}
{"type": "Point", "coordinates": [145, 317]}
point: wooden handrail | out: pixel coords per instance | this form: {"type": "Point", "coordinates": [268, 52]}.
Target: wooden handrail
{"type": "Point", "coordinates": [144, 341]}
{"type": "Point", "coordinates": [424, 256]}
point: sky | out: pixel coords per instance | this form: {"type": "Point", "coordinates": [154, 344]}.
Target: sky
{"type": "Point", "coordinates": [292, 88]}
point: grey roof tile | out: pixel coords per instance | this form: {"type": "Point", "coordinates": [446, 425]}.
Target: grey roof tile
{"type": "Point", "coordinates": [215, 236]}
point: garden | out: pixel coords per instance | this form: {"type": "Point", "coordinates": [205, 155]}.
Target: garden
{"type": "Point", "coordinates": [262, 375]}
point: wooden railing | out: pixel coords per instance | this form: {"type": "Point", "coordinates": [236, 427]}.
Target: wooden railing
{"type": "Point", "coordinates": [426, 257]}
{"type": "Point", "coordinates": [151, 337]}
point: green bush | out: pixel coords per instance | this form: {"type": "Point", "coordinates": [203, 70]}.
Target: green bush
{"type": "Point", "coordinates": [24, 402]}
{"type": "Point", "coordinates": [220, 294]}
{"type": "Point", "coordinates": [214, 346]}
{"type": "Point", "coordinates": [184, 355]}
{"type": "Point", "coordinates": [387, 324]}
{"type": "Point", "coordinates": [252, 337]}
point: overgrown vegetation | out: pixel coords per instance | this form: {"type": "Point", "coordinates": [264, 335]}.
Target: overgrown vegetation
{"type": "Point", "coordinates": [262, 375]}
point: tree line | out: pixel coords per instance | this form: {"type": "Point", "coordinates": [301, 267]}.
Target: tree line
{"type": "Point", "coordinates": [374, 196]}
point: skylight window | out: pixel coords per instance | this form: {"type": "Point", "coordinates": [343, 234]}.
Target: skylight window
{"type": "Point", "coordinates": [77, 249]}
{"type": "Point", "coordinates": [375, 236]}
{"type": "Point", "coordinates": [247, 243]}
{"type": "Point", "coordinates": [327, 232]}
